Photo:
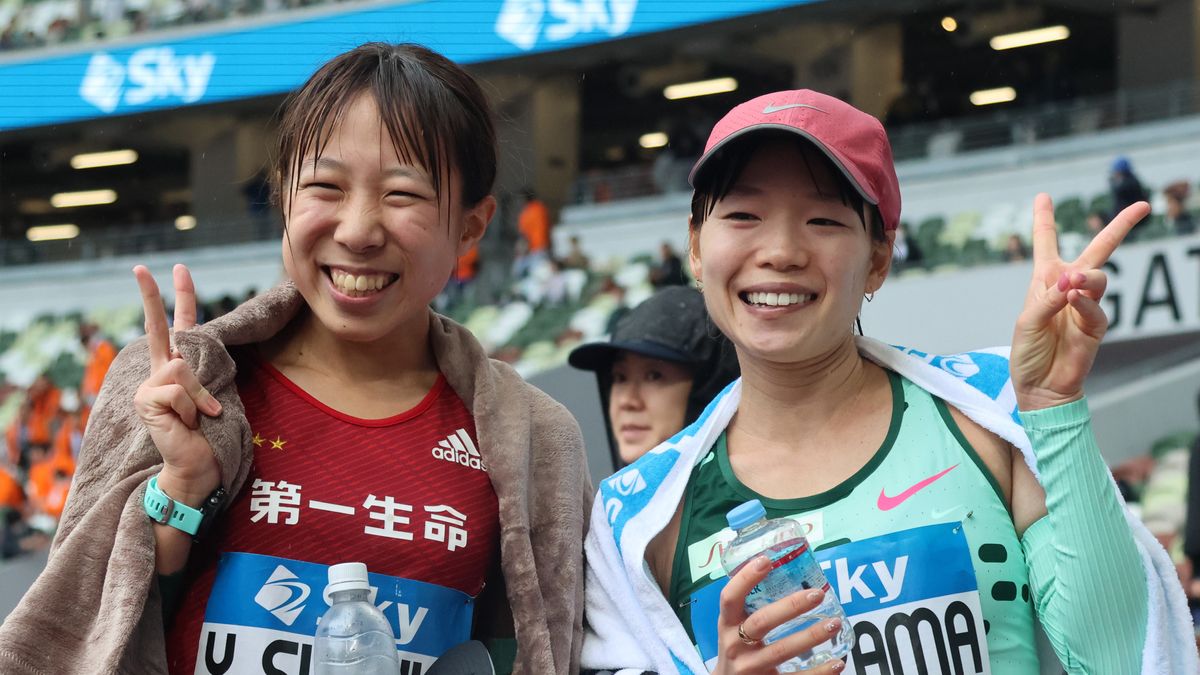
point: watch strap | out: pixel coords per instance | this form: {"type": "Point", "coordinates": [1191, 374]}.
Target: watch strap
{"type": "Point", "coordinates": [166, 511]}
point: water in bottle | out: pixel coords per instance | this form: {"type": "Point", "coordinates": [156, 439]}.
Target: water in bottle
{"type": "Point", "coordinates": [353, 637]}
{"type": "Point", "coordinates": [793, 568]}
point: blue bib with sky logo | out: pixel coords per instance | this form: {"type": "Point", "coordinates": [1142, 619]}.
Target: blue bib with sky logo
{"type": "Point", "coordinates": [263, 612]}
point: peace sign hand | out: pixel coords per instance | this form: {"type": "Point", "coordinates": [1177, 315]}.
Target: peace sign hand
{"type": "Point", "coordinates": [172, 399]}
{"type": "Point", "coordinates": [1059, 330]}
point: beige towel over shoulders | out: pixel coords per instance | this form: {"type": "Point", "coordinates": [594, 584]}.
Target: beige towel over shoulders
{"type": "Point", "coordinates": [95, 608]}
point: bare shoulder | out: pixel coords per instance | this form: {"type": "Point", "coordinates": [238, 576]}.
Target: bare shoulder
{"type": "Point", "coordinates": [996, 453]}
{"type": "Point", "coordinates": [1023, 495]}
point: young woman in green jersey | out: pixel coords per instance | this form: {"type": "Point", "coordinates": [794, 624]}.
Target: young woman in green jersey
{"type": "Point", "coordinates": [793, 218]}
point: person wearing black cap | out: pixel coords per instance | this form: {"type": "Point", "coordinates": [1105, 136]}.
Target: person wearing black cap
{"type": "Point", "coordinates": [664, 363]}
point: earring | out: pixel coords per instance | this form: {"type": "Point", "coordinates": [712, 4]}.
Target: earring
{"type": "Point", "coordinates": [869, 296]}
{"type": "Point", "coordinates": [700, 285]}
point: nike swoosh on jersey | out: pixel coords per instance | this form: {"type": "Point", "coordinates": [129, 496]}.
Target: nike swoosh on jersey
{"type": "Point", "coordinates": [886, 503]}
{"type": "Point", "coordinates": [776, 108]}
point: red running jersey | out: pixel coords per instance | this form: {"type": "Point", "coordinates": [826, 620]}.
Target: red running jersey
{"type": "Point", "coordinates": [406, 495]}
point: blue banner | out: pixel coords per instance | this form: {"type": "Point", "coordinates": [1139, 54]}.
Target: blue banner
{"type": "Point", "coordinates": [275, 58]}
{"type": "Point", "coordinates": [265, 610]}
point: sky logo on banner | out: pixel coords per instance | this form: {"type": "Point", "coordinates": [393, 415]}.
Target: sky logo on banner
{"type": "Point", "coordinates": [458, 448]}
{"type": "Point", "coordinates": [521, 21]}
{"type": "Point", "coordinates": [263, 611]}
{"type": "Point", "coordinates": [150, 74]}
{"type": "Point", "coordinates": [102, 82]}
{"type": "Point", "coordinates": [283, 595]}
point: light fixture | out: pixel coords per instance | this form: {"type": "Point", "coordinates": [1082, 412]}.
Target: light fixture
{"type": "Point", "coordinates": [66, 200]}
{"type": "Point", "coordinates": [52, 232]}
{"type": "Point", "coordinates": [654, 139]}
{"type": "Point", "coordinates": [1030, 37]}
{"type": "Point", "coordinates": [185, 222]}
{"type": "Point", "coordinates": [93, 160]}
{"type": "Point", "coordinates": [993, 96]}
{"type": "Point", "coordinates": [720, 85]}
{"type": "Point", "coordinates": [949, 24]}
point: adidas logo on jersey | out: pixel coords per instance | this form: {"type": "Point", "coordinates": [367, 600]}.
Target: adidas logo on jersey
{"type": "Point", "coordinates": [458, 448]}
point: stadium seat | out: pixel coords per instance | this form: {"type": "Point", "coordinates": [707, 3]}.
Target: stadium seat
{"type": "Point", "coordinates": [1070, 216]}
{"type": "Point", "coordinates": [961, 228]}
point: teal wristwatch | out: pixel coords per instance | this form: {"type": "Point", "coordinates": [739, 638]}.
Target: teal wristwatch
{"type": "Point", "coordinates": [166, 511]}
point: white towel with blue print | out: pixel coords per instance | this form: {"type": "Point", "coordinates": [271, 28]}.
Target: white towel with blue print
{"type": "Point", "coordinates": [632, 628]}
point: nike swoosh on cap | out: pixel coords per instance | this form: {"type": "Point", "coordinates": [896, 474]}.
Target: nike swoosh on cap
{"type": "Point", "coordinates": [776, 108]}
{"type": "Point", "coordinates": [886, 503]}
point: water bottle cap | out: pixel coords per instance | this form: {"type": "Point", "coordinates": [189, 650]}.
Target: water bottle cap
{"type": "Point", "coordinates": [351, 576]}
{"type": "Point", "coordinates": [745, 514]}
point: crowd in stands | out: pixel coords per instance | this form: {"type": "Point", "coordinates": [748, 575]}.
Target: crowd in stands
{"type": "Point", "coordinates": [1163, 489]}
{"type": "Point", "coordinates": [41, 443]}
{"type": "Point", "coordinates": [43, 422]}
{"type": "Point", "coordinates": [29, 24]}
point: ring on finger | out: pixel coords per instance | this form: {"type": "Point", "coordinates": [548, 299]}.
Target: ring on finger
{"type": "Point", "coordinates": [746, 639]}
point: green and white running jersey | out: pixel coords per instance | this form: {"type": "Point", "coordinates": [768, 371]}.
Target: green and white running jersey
{"type": "Point", "coordinates": [918, 545]}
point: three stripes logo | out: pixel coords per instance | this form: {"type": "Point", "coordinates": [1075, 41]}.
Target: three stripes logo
{"type": "Point", "coordinates": [458, 448]}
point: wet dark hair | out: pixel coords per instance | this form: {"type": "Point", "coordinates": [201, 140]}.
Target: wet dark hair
{"type": "Point", "coordinates": [722, 171]}
{"type": "Point", "coordinates": [434, 111]}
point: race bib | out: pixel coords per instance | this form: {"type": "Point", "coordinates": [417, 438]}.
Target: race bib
{"type": "Point", "coordinates": [263, 611]}
{"type": "Point", "coordinates": [912, 597]}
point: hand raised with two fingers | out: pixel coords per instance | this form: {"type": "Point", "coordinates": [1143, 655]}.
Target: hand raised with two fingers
{"type": "Point", "coordinates": [171, 401]}
{"type": "Point", "coordinates": [741, 650]}
{"type": "Point", "coordinates": [1061, 325]}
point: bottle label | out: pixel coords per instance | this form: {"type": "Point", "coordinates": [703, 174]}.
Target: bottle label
{"type": "Point", "coordinates": [793, 569]}
{"type": "Point", "coordinates": [912, 597]}
{"type": "Point", "coordinates": [265, 609]}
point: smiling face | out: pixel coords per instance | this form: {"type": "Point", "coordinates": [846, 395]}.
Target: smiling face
{"type": "Point", "coordinates": [785, 260]}
{"type": "Point", "coordinates": [369, 241]}
{"type": "Point", "coordinates": [647, 402]}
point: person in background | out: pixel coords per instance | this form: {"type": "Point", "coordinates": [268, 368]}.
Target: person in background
{"type": "Point", "coordinates": [669, 271]}
{"type": "Point", "coordinates": [1178, 220]}
{"type": "Point", "coordinates": [12, 512]}
{"type": "Point", "coordinates": [1191, 526]}
{"type": "Point", "coordinates": [534, 224]}
{"type": "Point", "coordinates": [1126, 189]}
{"type": "Point", "coordinates": [34, 424]}
{"type": "Point", "coordinates": [576, 259]}
{"type": "Point", "coordinates": [100, 355]}
{"type": "Point", "coordinates": [620, 308]}
{"type": "Point", "coordinates": [1015, 249]}
{"type": "Point", "coordinates": [907, 253]}
{"type": "Point", "coordinates": [465, 272]}
{"type": "Point", "coordinates": [664, 363]}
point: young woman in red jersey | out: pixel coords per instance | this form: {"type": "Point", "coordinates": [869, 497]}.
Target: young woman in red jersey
{"type": "Point", "coordinates": [335, 418]}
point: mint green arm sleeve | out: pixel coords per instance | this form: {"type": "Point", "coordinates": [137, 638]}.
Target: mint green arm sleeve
{"type": "Point", "coordinates": [1085, 572]}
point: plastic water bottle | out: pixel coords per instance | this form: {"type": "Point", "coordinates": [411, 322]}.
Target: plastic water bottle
{"type": "Point", "coordinates": [793, 568]}
{"type": "Point", "coordinates": [353, 637]}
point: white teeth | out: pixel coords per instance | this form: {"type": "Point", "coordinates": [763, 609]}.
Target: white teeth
{"type": "Point", "coordinates": [358, 285]}
{"type": "Point", "coordinates": [779, 299]}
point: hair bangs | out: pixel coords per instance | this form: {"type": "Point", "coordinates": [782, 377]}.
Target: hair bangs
{"type": "Point", "coordinates": [433, 111]}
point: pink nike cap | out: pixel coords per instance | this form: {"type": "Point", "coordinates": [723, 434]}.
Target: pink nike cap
{"type": "Point", "coordinates": [854, 140]}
